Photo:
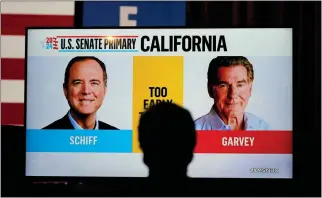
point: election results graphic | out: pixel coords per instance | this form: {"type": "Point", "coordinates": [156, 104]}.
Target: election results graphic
{"type": "Point", "coordinates": [144, 67]}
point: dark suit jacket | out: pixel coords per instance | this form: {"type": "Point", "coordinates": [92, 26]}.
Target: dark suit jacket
{"type": "Point", "coordinates": [64, 123]}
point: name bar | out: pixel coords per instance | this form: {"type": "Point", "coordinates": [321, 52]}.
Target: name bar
{"type": "Point", "coordinates": [244, 142]}
{"type": "Point", "coordinates": [106, 141]}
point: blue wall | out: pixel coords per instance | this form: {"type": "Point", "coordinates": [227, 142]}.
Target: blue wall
{"type": "Point", "coordinates": [162, 13]}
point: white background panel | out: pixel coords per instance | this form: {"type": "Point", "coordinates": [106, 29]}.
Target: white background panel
{"type": "Point", "coordinates": [269, 50]}
{"type": "Point", "coordinates": [248, 42]}
{"type": "Point", "coordinates": [131, 165]}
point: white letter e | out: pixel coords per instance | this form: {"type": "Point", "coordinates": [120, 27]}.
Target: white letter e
{"type": "Point", "coordinates": [125, 11]}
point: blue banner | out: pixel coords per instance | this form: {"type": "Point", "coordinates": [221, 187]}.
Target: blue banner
{"type": "Point", "coordinates": [134, 13]}
{"type": "Point", "coordinates": [106, 141]}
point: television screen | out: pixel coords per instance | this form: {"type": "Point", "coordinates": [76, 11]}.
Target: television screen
{"type": "Point", "coordinates": [86, 89]}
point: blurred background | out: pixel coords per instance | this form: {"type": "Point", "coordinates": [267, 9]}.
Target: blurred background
{"type": "Point", "coordinates": [304, 17]}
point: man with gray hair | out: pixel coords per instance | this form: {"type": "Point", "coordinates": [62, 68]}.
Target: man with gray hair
{"type": "Point", "coordinates": [230, 80]}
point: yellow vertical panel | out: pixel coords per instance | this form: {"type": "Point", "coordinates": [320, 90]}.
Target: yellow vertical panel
{"type": "Point", "coordinates": [157, 72]}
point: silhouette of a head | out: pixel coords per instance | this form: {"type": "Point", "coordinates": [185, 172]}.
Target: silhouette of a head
{"type": "Point", "coordinates": [167, 138]}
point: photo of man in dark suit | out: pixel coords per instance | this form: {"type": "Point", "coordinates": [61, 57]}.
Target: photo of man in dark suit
{"type": "Point", "coordinates": [85, 86]}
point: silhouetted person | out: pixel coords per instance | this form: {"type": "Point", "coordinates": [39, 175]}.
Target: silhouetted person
{"type": "Point", "coordinates": [167, 138]}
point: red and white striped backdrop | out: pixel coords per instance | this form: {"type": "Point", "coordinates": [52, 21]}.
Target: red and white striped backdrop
{"type": "Point", "coordinates": [15, 16]}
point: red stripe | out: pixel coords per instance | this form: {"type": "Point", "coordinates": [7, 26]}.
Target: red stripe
{"type": "Point", "coordinates": [96, 36]}
{"type": "Point", "coordinates": [264, 142]}
{"type": "Point", "coordinates": [12, 113]}
{"type": "Point", "coordinates": [12, 68]}
{"type": "Point", "coordinates": [15, 24]}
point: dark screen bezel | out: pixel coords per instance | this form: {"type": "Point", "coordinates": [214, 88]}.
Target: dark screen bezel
{"type": "Point", "coordinates": [240, 185]}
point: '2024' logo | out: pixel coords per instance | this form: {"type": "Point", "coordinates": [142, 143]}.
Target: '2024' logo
{"type": "Point", "coordinates": [51, 43]}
